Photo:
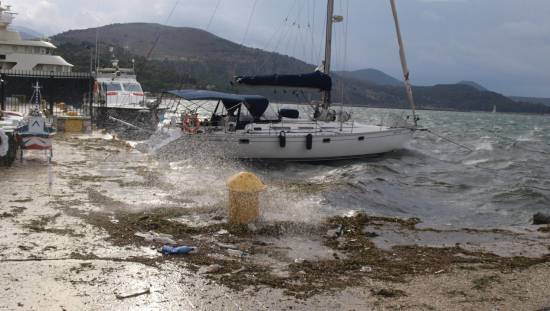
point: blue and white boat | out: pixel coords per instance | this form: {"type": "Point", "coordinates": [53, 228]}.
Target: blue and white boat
{"type": "Point", "coordinates": [33, 131]}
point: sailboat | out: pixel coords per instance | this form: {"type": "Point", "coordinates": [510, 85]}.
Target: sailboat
{"type": "Point", "coordinates": [243, 127]}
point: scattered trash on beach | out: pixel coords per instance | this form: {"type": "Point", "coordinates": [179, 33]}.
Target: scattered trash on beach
{"type": "Point", "coordinates": [389, 292]}
{"type": "Point", "coordinates": [334, 233]}
{"type": "Point", "coordinates": [237, 253]}
{"type": "Point", "coordinates": [252, 227]}
{"type": "Point", "coordinates": [229, 246]}
{"type": "Point", "coordinates": [176, 250]}
{"type": "Point", "coordinates": [210, 269]}
{"type": "Point", "coordinates": [145, 292]}
{"type": "Point", "coordinates": [152, 236]}
{"type": "Point", "coordinates": [222, 232]}
{"type": "Point", "coordinates": [280, 274]}
{"type": "Point", "coordinates": [371, 234]}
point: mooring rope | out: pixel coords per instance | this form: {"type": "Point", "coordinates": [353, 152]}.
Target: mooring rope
{"type": "Point", "coordinates": [447, 139]}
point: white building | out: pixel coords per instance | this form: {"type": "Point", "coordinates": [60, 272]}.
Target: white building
{"type": "Point", "coordinates": [26, 55]}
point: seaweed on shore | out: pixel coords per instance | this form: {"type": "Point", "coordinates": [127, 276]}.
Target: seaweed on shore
{"type": "Point", "coordinates": [303, 278]}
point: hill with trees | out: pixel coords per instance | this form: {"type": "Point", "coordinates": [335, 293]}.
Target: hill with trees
{"type": "Point", "coordinates": [185, 57]}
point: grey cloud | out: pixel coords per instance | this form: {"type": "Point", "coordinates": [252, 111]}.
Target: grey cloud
{"type": "Point", "coordinates": [503, 44]}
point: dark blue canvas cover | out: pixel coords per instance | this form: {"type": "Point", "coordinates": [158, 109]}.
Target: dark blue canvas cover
{"type": "Point", "coordinates": [255, 104]}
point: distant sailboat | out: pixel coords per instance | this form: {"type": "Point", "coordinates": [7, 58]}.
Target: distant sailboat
{"type": "Point", "coordinates": [494, 108]}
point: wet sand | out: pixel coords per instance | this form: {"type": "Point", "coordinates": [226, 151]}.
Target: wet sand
{"type": "Point", "coordinates": [67, 243]}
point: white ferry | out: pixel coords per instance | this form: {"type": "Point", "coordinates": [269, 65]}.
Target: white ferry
{"type": "Point", "coordinates": [17, 54]}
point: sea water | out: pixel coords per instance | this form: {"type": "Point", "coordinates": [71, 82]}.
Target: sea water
{"type": "Point", "coordinates": [502, 181]}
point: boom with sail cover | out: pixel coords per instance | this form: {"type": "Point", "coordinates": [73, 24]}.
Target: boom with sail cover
{"type": "Point", "coordinates": [314, 80]}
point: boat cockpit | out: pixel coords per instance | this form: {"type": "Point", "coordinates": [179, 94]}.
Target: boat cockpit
{"type": "Point", "coordinates": [225, 111]}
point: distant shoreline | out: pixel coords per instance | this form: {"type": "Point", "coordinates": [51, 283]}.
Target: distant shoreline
{"type": "Point", "coordinates": [422, 109]}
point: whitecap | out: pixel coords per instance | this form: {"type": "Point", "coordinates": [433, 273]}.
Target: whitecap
{"type": "Point", "coordinates": [484, 146]}
{"type": "Point", "coordinates": [524, 138]}
{"type": "Point", "coordinates": [475, 162]}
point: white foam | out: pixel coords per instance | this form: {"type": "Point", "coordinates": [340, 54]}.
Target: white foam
{"type": "Point", "coordinates": [484, 146]}
{"type": "Point", "coordinates": [475, 162]}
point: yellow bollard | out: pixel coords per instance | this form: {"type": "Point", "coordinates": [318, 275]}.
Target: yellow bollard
{"type": "Point", "coordinates": [244, 203]}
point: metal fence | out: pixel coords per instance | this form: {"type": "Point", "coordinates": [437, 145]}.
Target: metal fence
{"type": "Point", "coordinates": [61, 91]}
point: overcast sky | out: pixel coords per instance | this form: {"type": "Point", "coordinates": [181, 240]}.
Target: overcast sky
{"type": "Point", "coordinates": [502, 44]}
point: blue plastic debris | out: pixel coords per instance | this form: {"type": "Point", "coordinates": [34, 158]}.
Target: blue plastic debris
{"type": "Point", "coordinates": [176, 250]}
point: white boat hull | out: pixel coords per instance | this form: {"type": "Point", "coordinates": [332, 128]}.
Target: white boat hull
{"type": "Point", "coordinates": [324, 145]}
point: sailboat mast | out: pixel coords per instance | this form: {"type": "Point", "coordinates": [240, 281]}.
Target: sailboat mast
{"type": "Point", "coordinates": [404, 65]}
{"type": "Point", "coordinates": [328, 49]}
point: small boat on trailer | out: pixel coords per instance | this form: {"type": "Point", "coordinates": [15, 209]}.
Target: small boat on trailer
{"type": "Point", "coordinates": [33, 131]}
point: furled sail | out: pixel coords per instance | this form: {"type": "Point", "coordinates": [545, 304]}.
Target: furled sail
{"type": "Point", "coordinates": [314, 80]}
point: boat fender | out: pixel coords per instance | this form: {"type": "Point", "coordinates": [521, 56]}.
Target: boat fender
{"type": "Point", "coordinates": [282, 139]}
{"type": "Point", "coordinates": [4, 143]}
{"type": "Point", "coordinates": [309, 141]}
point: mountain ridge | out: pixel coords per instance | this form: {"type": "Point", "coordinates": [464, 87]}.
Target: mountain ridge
{"type": "Point", "coordinates": [533, 100]}
{"type": "Point", "coordinates": [473, 84]}
{"type": "Point", "coordinates": [27, 33]}
{"type": "Point", "coordinates": [187, 57]}
{"type": "Point", "coordinates": [372, 75]}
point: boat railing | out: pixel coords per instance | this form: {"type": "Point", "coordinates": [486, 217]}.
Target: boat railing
{"type": "Point", "coordinates": [314, 126]}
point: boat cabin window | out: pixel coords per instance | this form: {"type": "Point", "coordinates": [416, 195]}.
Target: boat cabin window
{"type": "Point", "coordinates": [113, 86]}
{"type": "Point", "coordinates": [132, 87]}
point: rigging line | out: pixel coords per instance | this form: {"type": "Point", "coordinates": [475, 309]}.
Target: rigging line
{"type": "Point", "coordinates": [249, 21]}
{"type": "Point", "coordinates": [303, 37]}
{"type": "Point", "coordinates": [278, 35]}
{"type": "Point", "coordinates": [289, 32]}
{"type": "Point", "coordinates": [304, 32]}
{"type": "Point", "coordinates": [312, 31]}
{"type": "Point", "coordinates": [97, 41]}
{"type": "Point", "coordinates": [344, 65]}
{"type": "Point", "coordinates": [159, 32]}
{"type": "Point", "coordinates": [447, 139]}
{"type": "Point", "coordinates": [322, 42]}
{"type": "Point", "coordinates": [297, 31]}
{"type": "Point", "coordinates": [308, 57]}
{"type": "Point", "coordinates": [213, 14]}
{"type": "Point", "coordinates": [282, 26]}
{"type": "Point", "coordinates": [286, 30]}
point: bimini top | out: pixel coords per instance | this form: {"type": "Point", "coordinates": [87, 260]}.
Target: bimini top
{"type": "Point", "coordinates": [255, 104]}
